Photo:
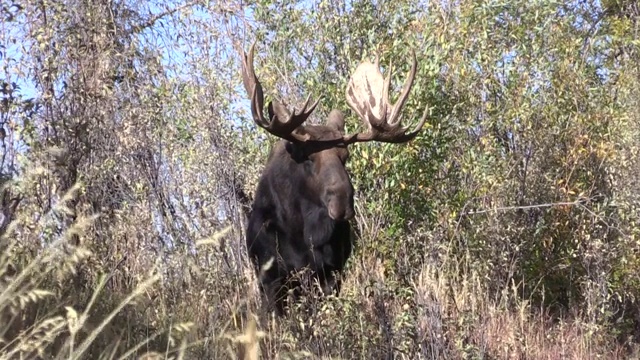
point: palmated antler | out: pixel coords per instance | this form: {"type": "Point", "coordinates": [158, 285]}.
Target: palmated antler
{"type": "Point", "coordinates": [282, 122]}
{"type": "Point", "coordinates": [368, 96]}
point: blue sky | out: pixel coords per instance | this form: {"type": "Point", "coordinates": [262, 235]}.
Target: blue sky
{"type": "Point", "coordinates": [173, 54]}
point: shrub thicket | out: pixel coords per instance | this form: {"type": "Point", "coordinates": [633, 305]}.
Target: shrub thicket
{"type": "Point", "coordinates": [507, 229]}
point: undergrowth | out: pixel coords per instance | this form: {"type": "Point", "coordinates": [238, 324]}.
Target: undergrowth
{"type": "Point", "coordinates": [55, 304]}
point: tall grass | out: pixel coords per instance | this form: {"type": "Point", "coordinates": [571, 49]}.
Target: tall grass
{"type": "Point", "coordinates": [439, 311]}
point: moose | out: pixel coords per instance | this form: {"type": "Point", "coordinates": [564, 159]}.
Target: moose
{"type": "Point", "coordinates": [299, 219]}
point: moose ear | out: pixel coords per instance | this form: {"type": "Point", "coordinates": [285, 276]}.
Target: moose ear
{"type": "Point", "coordinates": [336, 120]}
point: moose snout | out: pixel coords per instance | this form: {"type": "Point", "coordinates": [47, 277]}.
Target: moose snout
{"type": "Point", "coordinates": [339, 212]}
{"type": "Point", "coordinates": [337, 194]}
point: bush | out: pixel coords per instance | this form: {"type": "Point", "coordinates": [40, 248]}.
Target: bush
{"type": "Point", "coordinates": [508, 228]}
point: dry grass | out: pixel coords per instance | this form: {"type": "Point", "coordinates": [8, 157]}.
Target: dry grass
{"type": "Point", "coordinates": [441, 319]}
{"type": "Point", "coordinates": [57, 301]}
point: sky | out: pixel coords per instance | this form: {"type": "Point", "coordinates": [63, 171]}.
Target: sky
{"type": "Point", "coordinates": [15, 42]}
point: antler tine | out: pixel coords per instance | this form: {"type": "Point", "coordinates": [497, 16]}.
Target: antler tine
{"type": "Point", "coordinates": [385, 95]}
{"type": "Point", "coordinates": [313, 106]}
{"type": "Point", "coordinates": [293, 120]}
{"type": "Point", "coordinates": [282, 122]}
{"type": "Point", "coordinates": [418, 127]}
{"type": "Point", "coordinates": [406, 88]}
{"type": "Point", "coordinates": [305, 112]}
{"type": "Point", "coordinates": [368, 95]}
{"type": "Point", "coordinates": [253, 87]}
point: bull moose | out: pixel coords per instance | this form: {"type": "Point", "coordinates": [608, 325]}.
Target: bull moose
{"type": "Point", "coordinates": [304, 200]}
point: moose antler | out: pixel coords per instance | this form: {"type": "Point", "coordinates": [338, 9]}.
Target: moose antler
{"type": "Point", "coordinates": [368, 96]}
{"type": "Point", "coordinates": [282, 122]}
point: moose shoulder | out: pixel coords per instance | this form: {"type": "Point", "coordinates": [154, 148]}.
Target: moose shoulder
{"type": "Point", "coordinates": [304, 200]}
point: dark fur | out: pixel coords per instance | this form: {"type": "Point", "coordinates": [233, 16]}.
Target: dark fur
{"type": "Point", "coordinates": [290, 223]}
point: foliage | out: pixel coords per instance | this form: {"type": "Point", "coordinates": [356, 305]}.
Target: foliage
{"type": "Point", "coordinates": [508, 228]}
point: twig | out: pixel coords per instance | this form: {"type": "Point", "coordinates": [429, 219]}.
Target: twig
{"type": "Point", "coordinates": [151, 21]}
{"type": "Point", "coordinates": [536, 206]}
{"type": "Point", "coordinates": [579, 203]}
{"type": "Point", "coordinates": [591, 32]}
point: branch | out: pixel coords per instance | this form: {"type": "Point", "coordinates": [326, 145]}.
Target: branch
{"type": "Point", "coordinates": [537, 206]}
{"type": "Point", "coordinates": [592, 31]}
{"type": "Point", "coordinates": [150, 22]}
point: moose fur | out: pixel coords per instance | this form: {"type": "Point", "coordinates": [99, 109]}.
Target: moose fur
{"type": "Point", "coordinates": [290, 225]}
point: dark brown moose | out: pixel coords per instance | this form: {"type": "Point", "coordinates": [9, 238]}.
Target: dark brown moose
{"type": "Point", "coordinates": [304, 200]}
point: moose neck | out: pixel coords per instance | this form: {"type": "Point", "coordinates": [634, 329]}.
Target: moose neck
{"type": "Point", "coordinates": [295, 193]}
